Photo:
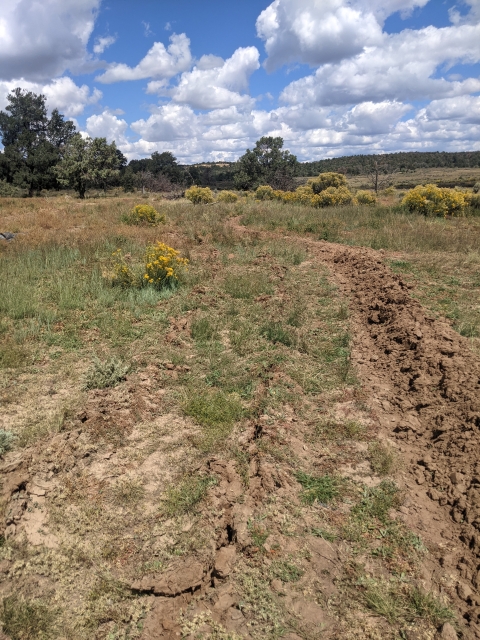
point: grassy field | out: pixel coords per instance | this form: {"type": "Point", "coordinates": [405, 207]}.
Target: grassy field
{"type": "Point", "coordinates": [148, 385]}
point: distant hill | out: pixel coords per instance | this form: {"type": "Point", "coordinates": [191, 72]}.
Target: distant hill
{"type": "Point", "coordinates": [402, 161]}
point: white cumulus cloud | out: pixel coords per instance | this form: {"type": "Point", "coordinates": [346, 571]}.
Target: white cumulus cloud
{"type": "Point", "coordinates": [41, 39]}
{"type": "Point", "coordinates": [215, 83]}
{"type": "Point", "coordinates": [160, 62]}
{"type": "Point", "coordinates": [61, 93]}
{"type": "Point", "coordinates": [103, 43]}
{"type": "Point", "coordinates": [401, 67]}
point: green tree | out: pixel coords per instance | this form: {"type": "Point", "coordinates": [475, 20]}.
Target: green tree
{"type": "Point", "coordinates": [268, 164]}
{"type": "Point", "coordinates": [33, 142]}
{"type": "Point", "coordinates": [88, 163]}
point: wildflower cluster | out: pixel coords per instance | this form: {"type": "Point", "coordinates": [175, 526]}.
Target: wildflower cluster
{"type": "Point", "coordinates": [144, 214]}
{"type": "Point", "coordinates": [162, 265]}
{"type": "Point", "coordinates": [200, 195]}
{"type": "Point", "coordinates": [431, 200]}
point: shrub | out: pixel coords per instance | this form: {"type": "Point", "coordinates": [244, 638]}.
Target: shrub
{"type": "Point", "coordinates": [163, 266]}
{"type": "Point", "coordinates": [199, 195]}
{"type": "Point", "coordinates": [366, 197]}
{"type": "Point", "coordinates": [333, 197]}
{"type": "Point", "coordinates": [476, 187]}
{"type": "Point", "coordinates": [326, 180]}
{"type": "Point", "coordinates": [264, 192]}
{"type": "Point", "coordinates": [6, 440]}
{"type": "Point", "coordinates": [107, 373]}
{"type": "Point", "coordinates": [430, 200]}
{"type": "Point", "coordinates": [473, 200]}
{"type": "Point", "coordinates": [227, 196]}
{"type": "Point", "coordinates": [123, 274]}
{"type": "Point", "coordinates": [8, 190]}
{"type": "Point", "coordinates": [304, 194]}
{"type": "Point", "coordinates": [144, 214]}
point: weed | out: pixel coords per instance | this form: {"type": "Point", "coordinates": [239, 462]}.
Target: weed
{"type": "Point", "coordinates": [258, 601]}
{"type": "Point", "coordinates": [321, 489]}
{"type": "Point", "coordinates": [382, 458]}
{"type": "Point", "coordinates": [275, 332]}
{"type": "Point", "coordinates": [322, 533]}
{"type": "Point", "coordinates": [106, 373]}
{"type": "Point", "coordinates": [332, 430]}
{"type": "Point", "coordinates": [184, 497]}
{"type": "Point", "coordinates": [397, 601]}
{"type": "Point", "coordinates": [285, 571]}
{"type": "Point", "coordinates": [376, 502]}
{"type": "Point", "coordinates": [247, 286]}
{"type": "Point", "coordinates": [24, 620]}
{"type": "Point", "coordinates": [12, 355]}
{"type": "Point", "coordinates": [258, 532]}
{"type": "Point", "coordinates": [215, 411]}
{"type": "Point", "coordinates": [203, 330]}
{"type": "Point", "coordinates": [127, 492]}
{"type": "Point", "coordinates": [6, 441]}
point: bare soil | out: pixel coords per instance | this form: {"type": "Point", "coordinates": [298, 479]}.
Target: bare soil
{"type": "Point", "coordinates": [420, 392]}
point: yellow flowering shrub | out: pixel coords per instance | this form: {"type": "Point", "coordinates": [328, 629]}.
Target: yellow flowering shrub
{"type": "Point", "coordinates": [144, 214]}
{"type": "Point", "coordinates": [327, 180]}
{"type": "Point", "coordinates": [430, 200]}
{"type": "Point", "coordinates": [227, 196]}
{"type": "Point", "coordinates": [366, 197]}
{"type": "Point", "coordinates": [304, 194]}
{"type": "Point", "coordinates": [122, 273]}
{"type": "Point", "coordinates": [333, 197]}
{"type": "Point", "coordinates": [162, 265]}
{"type": "Point", "coordinates": [200, 195]}
{"type": "Point", "coordinates": [264, 192]}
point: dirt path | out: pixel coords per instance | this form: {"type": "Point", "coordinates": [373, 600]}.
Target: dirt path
{"type": "Point", "coordinates": [424, 384]}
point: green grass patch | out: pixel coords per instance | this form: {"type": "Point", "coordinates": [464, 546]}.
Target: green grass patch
{"type": "Point", "coordinates": [248, 285]}
{"type": "Point", "coordinates": [275, 332]}
{"type": "Point", "coordinates": [285, 571]}
{"type": "Point", "coordinates": [323, 489]}
{"type": "Point", "coordinates": [382, 458]}
{"type": "Point", "coordinates": [27, 620]}
{"type": "Point", "coordinates": [216, 411]}
{"type": "Point", "coordinates": [184, 496]}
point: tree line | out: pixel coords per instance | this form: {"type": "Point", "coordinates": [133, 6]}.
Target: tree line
{"type": "Point", "coordinates": [44, 152]}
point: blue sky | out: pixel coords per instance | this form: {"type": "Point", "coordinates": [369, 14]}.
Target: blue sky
{"type": "Point", "coordinates": [206, 79]}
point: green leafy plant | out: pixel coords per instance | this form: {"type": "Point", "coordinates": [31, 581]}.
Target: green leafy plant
{"type": "Point", "coordinates": [6, 441]}
{"type": "Point", "coordinates": [105, 373]}
{"type": "Point", "coordinates": [322, 489]}
{"type": "Point", "coordinates": [184, 496]}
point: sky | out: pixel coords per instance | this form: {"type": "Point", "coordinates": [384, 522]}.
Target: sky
{"type": "Point", "coordinates": [205, 79]}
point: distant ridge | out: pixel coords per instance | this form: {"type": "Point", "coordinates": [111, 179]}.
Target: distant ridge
{"type": "Point", "coordinates": [401, 161]}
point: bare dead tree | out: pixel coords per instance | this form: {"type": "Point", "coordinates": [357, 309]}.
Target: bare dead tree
{"type": "Point", "coordinates": [380, 175]}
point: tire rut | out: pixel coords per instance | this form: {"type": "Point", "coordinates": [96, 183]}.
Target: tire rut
{"type": "Point", "coordinates": [424, 384]}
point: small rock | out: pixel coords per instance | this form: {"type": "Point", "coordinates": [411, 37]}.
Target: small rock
{"type": "Point", "coordinates": [456, 478]}
{"type": "Point", "coordinates": [433, 494]}
{"type": "Point", "coordinates": [224, 561]}
{"type": "Point", "coordinates": [448, 632]}
{"type": "Point", "coordinates": [277, 586]}
{"type": "Point", "coordinates": [464, 591]}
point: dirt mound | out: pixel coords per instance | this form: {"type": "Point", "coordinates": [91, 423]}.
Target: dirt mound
{"type": "Point", "coordinates": [425, 384]}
